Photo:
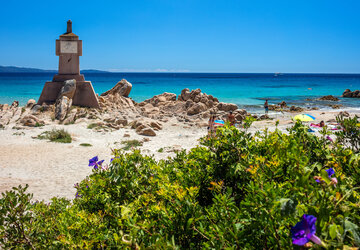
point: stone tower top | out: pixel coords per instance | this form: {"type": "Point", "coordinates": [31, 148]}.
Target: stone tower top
{"type": "Point", "coordinates": [69, 27]}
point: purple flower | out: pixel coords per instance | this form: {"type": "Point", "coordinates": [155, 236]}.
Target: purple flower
{"type": "Point", "coordinates": [77, 195]}
{"type": "Point", "coordinates": [330, 172]}
{"type": "Point", "coordinates": [111, 160]}
{"type": "Point", "coordinates": [93, 161]}
{"type": "Point", "coordinates": [304, 231]}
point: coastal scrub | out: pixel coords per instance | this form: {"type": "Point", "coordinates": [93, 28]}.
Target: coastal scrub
{"type": "Point", "coordinates": [235, 190]}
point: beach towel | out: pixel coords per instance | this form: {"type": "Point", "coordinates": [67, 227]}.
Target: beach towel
{"type": "Point", "coordinates": [219, 123]}
{"type": "Point", "coordinates": [315, 125]}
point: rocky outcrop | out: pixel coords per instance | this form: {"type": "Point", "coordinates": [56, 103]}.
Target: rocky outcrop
{"type": "Point", "coordinates": [296, 109]}
{"type": "Point", "coordinates": [159, 100]}
{"type": "Point", "coordinates": [329, 98]}
{"type": "Point", "coordinates": [64, 100]}
{"type": "Point", "coordinates": [189, 103]}
{"type": "Point", "coordinates": [31, 121]}
{"type": "Point", "coordinates": [10, 113]}
{"type": "Point", "coordinates": [351, 94]}
{"type": "Point", "coordinates": [122, 88]}
{"type": "Point", "coordinates": [117, 100]}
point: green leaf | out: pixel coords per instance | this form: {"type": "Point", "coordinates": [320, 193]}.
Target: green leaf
{"type": "Point", "coordinates": [332, 231]}
{"type": "Point", "coordinates": [325, 176]}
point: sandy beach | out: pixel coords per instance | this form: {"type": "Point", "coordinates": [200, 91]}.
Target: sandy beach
{"type": "Point", "coordinates": [51, 169]}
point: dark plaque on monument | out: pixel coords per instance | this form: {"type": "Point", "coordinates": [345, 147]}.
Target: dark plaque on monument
{"type": "Point", "coordinates": [69, 49]}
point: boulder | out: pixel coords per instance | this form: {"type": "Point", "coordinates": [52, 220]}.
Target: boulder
{"type": "Point", "coordinates": [347, 93]}
{"type": "Point", "coordinates": [147, 132]}
{"type": "Point", "coordinates": [30, 103]}
{"type": "Point", "coordinates": [240, 111]}
{"type": "Point", "coordinates": [227, 106]}
{"type": "Point", "coordinates": [155, 125]}
{"type": "Point", "coordinates": [64, 100]}
{"type": "Point", "coordinates": [196, 109]}
{"type": "Point", "coordinates": [264, 117]}
{"type": "Point", "coordinates": [329, 98]}
{"type": "Point", "coordinates": [31, 121]}
{"type": "Point", "coordinates": [123, 88]}
{"type": "Point", "coordinates": [296, 109]}
{"type": "Point", "coordinates": [68, 89]}
{"type": "Point", "coordinates": [354, 94]}
{"type": "Point", "coordinates": [239, 117]}
{"type": "Point", "coordinates": [71, 117]}
{"type": "Point", "coordinates": [62, 107]}
{"type": "Point", "coordinates": [194, 93]}
{"type": "Point", "coordinates": [140, 127]}
{"type": "Point", "coordinates": [185, 95]}
{"type": "Point", "coordinates": [123, 122]}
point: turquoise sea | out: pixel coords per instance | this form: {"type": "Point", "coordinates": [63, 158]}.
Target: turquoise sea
{"type": "Point", "coordinates": [246, 90]}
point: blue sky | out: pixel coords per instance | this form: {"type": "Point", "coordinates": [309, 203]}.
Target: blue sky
{"type": "Point", "coordinates": [187, 35]}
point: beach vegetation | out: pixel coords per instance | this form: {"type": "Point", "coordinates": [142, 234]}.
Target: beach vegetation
{"type": "Point", "coordinates": [98, 126]}
{"type": "Point", "coordinates": [56, 135]}
{"type": "Point", "coordinates": [128, 144]}
{"type": "Point", "coordinates": [85, 145]}
{"type": "Point", "coordinates": [350, 133]}
{"type": "Point", "coordinates": [39, 125]}
{"type": "Point", "coordinates": [19, 133]}
{"type": "Point", "coordinates": [267, 190]}
{"type": "Point", "coordinates": [160, 150]}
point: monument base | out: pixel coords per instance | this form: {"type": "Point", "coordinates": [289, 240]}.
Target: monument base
{"type": "Point", "coordinates": [84, 95]}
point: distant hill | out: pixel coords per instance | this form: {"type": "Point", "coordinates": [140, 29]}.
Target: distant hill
{"type": "Point", "coordinates": [14, 69]}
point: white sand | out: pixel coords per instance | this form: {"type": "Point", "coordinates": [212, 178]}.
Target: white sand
{"type": "Point", "coordinates": [51, 169]}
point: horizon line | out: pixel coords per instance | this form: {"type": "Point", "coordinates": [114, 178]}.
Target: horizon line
{"type": "Point", "coordinates": [179, 71]}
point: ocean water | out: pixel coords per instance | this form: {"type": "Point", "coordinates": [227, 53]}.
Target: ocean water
{"type": "Point", "coordinates": [246, 90]}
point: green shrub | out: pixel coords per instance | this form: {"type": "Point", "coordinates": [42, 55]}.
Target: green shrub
{"type": "Point", "coordinates": [56, 135]}
{"type": "Point", "coordinates": [350, 133]}
{"type": "Point", "coordinates": [235, 190]}
{"type": "Point", "coordinates": [85, 144]}
{"type": "Point", "coordinates": [131, 144]}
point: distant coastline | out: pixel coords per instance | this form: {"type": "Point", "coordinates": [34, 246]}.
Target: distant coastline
{"type": "Point", "coordinates": [14, 69]}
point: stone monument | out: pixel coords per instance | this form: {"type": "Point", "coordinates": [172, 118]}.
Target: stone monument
{"type": "Point", "coordinates": [69, 49]}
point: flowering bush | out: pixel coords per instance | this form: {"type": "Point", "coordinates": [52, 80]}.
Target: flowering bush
{"type": "Point", "coordinates": [236, 190]}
